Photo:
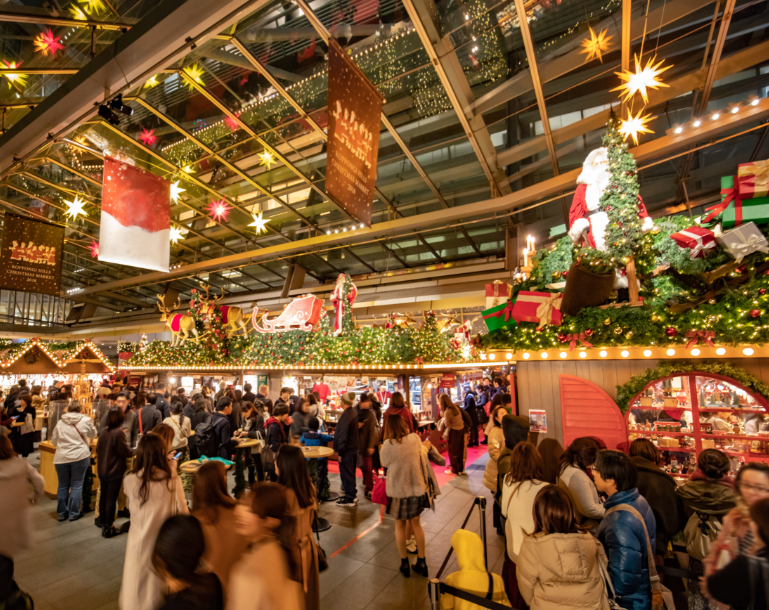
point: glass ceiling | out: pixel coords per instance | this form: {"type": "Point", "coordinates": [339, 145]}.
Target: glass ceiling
{"type": "Point", "coordinates": [260, 88]}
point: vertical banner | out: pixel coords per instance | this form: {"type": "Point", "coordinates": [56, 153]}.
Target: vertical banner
{"type": "Point", "coordinates": [31, 255]}
{"type": "Point", "coordinates": [354, 111]}
{"type": "Point", "coordinates": [135, 217]}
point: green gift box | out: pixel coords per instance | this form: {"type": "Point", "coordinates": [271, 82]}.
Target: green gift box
{"type": "Point", "coordinates": [734, 210]}
{"type": "Point", "coordinates": [499, 316]}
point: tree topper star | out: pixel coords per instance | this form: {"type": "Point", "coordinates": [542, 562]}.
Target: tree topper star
{"type": "Point", "coordinates": [260, 223]}
{"type": "Point", "coordinates": [176, 235]}
{"type": "Point", "coordinates": [175, 191]}
{"type": "Point", "coordinates": [94, 248]}
{"type": "Point", "coordinates": [267, 159]}
{"type": "Point", "coordinates": [75, 208]}
{"type": "Point", "coordinates": [634, 125]}
{"type": "Point", "coordinates": [219, 209]}
{"type": "Point", "coordinates": [640, 80]}
{"type": "Point", "coordinates": [595, 46]}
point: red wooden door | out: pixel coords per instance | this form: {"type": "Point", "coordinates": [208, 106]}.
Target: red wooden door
{"type": "Point", "coordinates": [586, 410]}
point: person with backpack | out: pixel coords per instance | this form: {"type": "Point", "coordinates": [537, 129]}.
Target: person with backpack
{"type": "Point", "coordinates": [627, 530]}
{"type": "Point", "coordinates": [220, 422]}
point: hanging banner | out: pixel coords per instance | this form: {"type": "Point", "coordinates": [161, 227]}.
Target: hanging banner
{"type": "Point", "coordinates": [31, 255]}
{"type": "Point", "coordinates": [354, 112]}
{"type": "Point", "coordinates": [135, 217]}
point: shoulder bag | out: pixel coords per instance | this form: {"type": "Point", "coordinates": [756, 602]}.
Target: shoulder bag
{"type": "Point", "coordinates": [80, 434]}
{"type": "Point", "coordinates": [28, 425]}
{"type": "Point", "coordinates": [322, 560]}
{"type": "Point", "coordinates": [662, 597]}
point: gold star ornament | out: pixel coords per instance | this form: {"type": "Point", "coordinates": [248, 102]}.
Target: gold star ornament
{"type": "Point", "coordinates": [641, 80]}
{"type": "Point", "coordinates": [194, 72]}
{"type": "Point", "coordinates": [267, 159]}
{"type": "Point", "coordinates": [595, 46]}
{"type": "Point", "coordinates": [75, 208]}
{"type": "Point", "coordinates": [260, 223]}
{"type": "Point", "coordinates": [633, 125]}
{"type": "Point", "coordinates": [175, 191]}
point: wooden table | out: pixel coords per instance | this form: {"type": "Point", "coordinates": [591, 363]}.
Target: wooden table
{"type": "Point", "coordinates": [192, 466]}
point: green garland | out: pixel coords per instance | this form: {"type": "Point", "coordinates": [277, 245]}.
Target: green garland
{"type": "Point", "coordinates": [667, 250]}
{"type": "Point", "coordinates": [637, 383]}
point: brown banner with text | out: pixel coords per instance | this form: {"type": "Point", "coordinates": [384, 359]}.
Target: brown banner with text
{"type": "Point", "coordinates": [354, 110]}
{"type": "Point", "coordinates": [31, 255]}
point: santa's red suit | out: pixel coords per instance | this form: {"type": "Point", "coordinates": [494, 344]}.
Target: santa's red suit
{"type": "Point", "coordinates": [585, 214]}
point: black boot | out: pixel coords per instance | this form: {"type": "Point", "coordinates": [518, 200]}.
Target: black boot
{"type": "Point", "coordinates": [97, 522]}
{"type": "Point", "coordinates": [420, 567]}
{"type": "Point", "coordinates": [110, 531]}
{"type": "Point", "coordinates": [405, 569]}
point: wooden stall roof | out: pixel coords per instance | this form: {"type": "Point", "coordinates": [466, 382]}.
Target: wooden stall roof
{"type": "Point", "coordinates": [85, 353]}
{"type": "Point", "coordinates": [31, 359]}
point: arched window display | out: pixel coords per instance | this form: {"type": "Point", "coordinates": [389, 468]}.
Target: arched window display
{"type": "Point", "coordinates": [686, 413]}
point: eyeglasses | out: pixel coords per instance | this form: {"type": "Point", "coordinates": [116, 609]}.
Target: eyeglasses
{"type": "Point", "coordinates": [756, 488]}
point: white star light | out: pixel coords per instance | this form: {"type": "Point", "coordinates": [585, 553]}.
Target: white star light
{"type": "Point", "coordinates": [175, 191]}
{"type": "Point", "coordinates": [267, 159]}
{"type": "Point", "coordinates": [260, 223]}
{"type": "Point", "coordinates": [176, 235]}
{"type": "Point", "coordinates": [75, 208]}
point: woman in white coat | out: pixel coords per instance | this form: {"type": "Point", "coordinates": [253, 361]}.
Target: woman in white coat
{"type": "Point", "coordinates": [154, 493]}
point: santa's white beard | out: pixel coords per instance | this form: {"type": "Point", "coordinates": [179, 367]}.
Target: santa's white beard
{"type": "Point", "coordinates": [599, 221]}
{"type": "Point", "coordinates": [597, 182]}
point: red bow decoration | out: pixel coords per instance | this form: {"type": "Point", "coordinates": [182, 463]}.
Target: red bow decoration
{"type": "Point", "coordinates": [508, 311]}
{"type": "Point", "coordinates": [419, 360]}
{"type": "Point", "coordinates": [700, 335]}
{"type": "Point", "coordinates": [732, 194]}
{"type": "Point", "coordinates": [578, 337]}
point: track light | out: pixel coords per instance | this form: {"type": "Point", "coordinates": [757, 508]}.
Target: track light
{"type": "Point", "coordinates": [106, 112]}
{"type": "Point", "coordinates": [117, 104]}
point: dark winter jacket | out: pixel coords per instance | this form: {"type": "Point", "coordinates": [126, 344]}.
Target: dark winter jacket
{"type": "Point", "coordinates": [251, 397]}
{"type": "Point", "coordinates": [346, 434]}
{"type": "Point", "coordinates": [275, 434]}
{"type": "Point", "coordinates": [162, 405]}
{"type": "Point", "coordinates": [733, 585]}
{"type": "Point", "coordinates": [235, 416]}
{"type": "Point", "coordinates": [624, 541]}
{"type": "Point", "coordinates": [368, 435]}
{"type": "Point", "coordinates": [471, 408]}
{"type": "Point", "coordinates": [199, 417]}
{"type": "Point", "coordinates": [299, 424]}
{"type": "Point", "coordinates": [256, 425]}
{"type": "Point", "coordinates": [708, 497]}
{"type": "Point", "coordinates": [149, 418]}
{"type": "Point", "coordinates": [659, 490]}
{"type": "Point", "coordinates": [515, 430]}
{"type": "Point", "coordinates": [223, 434]}
{"type": "Point", "coordinates": [112, 451]}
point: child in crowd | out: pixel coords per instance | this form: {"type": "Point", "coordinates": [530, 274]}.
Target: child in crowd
{"type": "Point", "coordinates": [314, 438]}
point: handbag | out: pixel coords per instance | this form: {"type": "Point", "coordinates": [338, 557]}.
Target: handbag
{"type": "Point", "coordinates": [662, 597]}
{"type": "Point", "coordinates": [379, 493]}
{"type": "Point", "coordinates": [754, 564]}
{"type": "Point", "coordinates": [28, 426]}
{"type": "Point", "coordinates": [322, 559]}
{"type": "Point", "coordinates": [268, 457]}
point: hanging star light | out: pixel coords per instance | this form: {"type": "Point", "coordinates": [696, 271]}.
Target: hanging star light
{"type": "Point", "coordinates": [77, 13]}
{"type": "Point", "coordinates": [93, 6]}
{"type": "Point", "coordinates": [634, 125]}
{"type": "Point", "coordinates": [46, 42]}
{"type": "Point", "coordinates": [260, 223]}
{"type": "Point", "coordinates": [595, 46]}
{"type": "Point", "coordinates": [75, 208]}
{"type": "Point", "coordinates": [641, 80]}
{"type": "Point", "coordinates": [187, 169]}
{"type": "Point", "coordinates": [219, 209]}
{"type": "Point", "coordinates": [148, 137]}
{"type": "Point", "coordinates": [267, 159]}
{"type": "Point", "coordinates": [152, 82]}
{"type": "Point", "coordinates": [21, 79]}
{"type": "Point", "coordinates": [194, 72]}
{"type": "Point", "coordinates": [175, 191]}
{"type": "Point", "coordinates": [94, 248]}
{"type": "Point", "coordinates": [176, 235]}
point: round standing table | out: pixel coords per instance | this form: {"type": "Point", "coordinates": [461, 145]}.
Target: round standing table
{"type": "Point", "coordinates": [314, 453]}
{"type": "Point", "coordinates": [191, 467]}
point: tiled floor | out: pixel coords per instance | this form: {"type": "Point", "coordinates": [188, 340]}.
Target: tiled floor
{"type": "Point", "coordinates": [71, 567]}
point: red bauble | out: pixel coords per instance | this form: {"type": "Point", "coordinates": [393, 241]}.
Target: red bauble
{"type": "Point", "coordinates": [589, 332]}
{"type": "Point", "coordinates": [762, 291]}
{"type": "Point", "coordinates": [562, 338]}
{"type": "Point", "coordinates": [670, 331]}
{"type": "Point", "coordinates": [755, 313]}
{"type": "Point", "coordinates": [565, 274]}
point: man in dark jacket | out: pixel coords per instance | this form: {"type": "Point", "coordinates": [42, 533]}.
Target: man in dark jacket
{"type": "Point", "coordinates": [221, 425]}
{"type": "Point", "coordinates": [368, 441]}
{"type": "Point", "coordinates": [248, 395]}
{"type": "Point", "coordinates": [275, 435]}
{"type": "Point", "coordinates": [160, 403]}
{"type": "Point", "coordinates": [346, 446]}
{"type": "Point", "coordinates": [622, 533]}
{"type": "Point", "coordinates": [472, 411]}
{"type": "Point", "coordinates": [149, 416]}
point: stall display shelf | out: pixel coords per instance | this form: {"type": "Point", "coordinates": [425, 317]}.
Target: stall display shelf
{"type": "Point", "coordinates": [746, 454]}
{"type": "Point", "coordinates": [679, 449]}
{"type": "Point", "coordinates": [732, 408]}
{"type": "Point", "coordinates": [736, 437]}
{"type": "Point", "coordinates": [683, 407]}
{"type": "Point", "coordinates": [660, 433]}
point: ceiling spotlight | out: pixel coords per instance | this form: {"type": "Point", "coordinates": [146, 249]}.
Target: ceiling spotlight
{"type": "Point", "coordinates": [106, 112]}
{"type": "Point", "coordinates": [117, 104]}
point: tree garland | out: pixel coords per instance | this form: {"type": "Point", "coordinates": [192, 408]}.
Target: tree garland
{"type": "Point", "coordinates": [637, 383]}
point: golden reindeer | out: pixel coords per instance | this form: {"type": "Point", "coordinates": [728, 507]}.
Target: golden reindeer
{"type": "Point", "coordinates": [180, 325]}
{"type": "Point", "coordinates": [232, 317]}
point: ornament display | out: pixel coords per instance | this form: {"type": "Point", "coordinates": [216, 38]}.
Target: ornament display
{"type": "Point", "coordinates": [194, 72]}
{"type": "Point", "coordinates": [607, 322]}
{"type": "Point", "coordinates": [497, 293]}
{"type": "Point", "coordinates": [697, 239]}
{"type": "Point", "coordinates": [743, 240]}
{"type": "Point", "coordinates": [632, 126]}
{"type": "Point", "coordinates": [617, 330]}
{"type": "Point", "coordinates": [540, 307]}
{"type": "Point", "coordinates": [219, 209]}
{"type": "Point", "coordinates": [13, 77]}
{"type": "Point", "coordinates": [260, 223]}
{"type": "Point", "coordinates": [755, 313]}
{"type": "Point", "coordinates": [75, 208]}
{"type": "Point", "coordinates": [94, 248]}
{"type": "Point", "coordinates": [148, 137]}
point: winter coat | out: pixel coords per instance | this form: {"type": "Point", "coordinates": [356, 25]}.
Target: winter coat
{"type": "Point", "coordinates": [624, 541]}
{"type": "Point", "coordinates": [405, 474]}
{"type": "Point", "coordinates": [659, 489]}
{"type": "Point", "coordinates": [299, 424]}
{"type": "Point", "coordinates": [223, 434]}
{"type": "Point", "coordinates": [368, 435]}
{"type": "Point", "coordinates": [452, 419]}
{"type": "Point", "coordinates": [235, 416]}
{"type": "Point", "coordinates": [129, 426]}
{"type": "Point", "coordinates": [346, 435]}
{"type": "Point", "coordinates": [20, 485]}
{"type": "Point", "coordinates": [305, 553]}
{"type": "Point", "coordinates": [472, 576]}
{"type": "Point", "coordinates": [142, 589]}
{"type": "Point", "coordinates": [562, 571]}
{"type": "Point", "coordinates": [515, 429]}
{"type": "Point", "coordinates": [198, 417]}
{"type": "Point", "coordinates": [403, 412]}
{"type": "Point", "coordinates": [732, 584]}
{"type": "Point", "coordinates": [71, 438]}
{"type": "Point", "coordinates": [275, 434]}
{"type": "Point", "coordinates": [261, 580]}
{"type": "Point", "coordinates": [149, 418]}
{"type": "Point", "coordinates": [517, 506]}
{"type": "Point", "coordinates": [162, 405]}
{"type": "Point", "coordinates": [23, 444]}
{"type": "Point", "coordinates": [584, 495]}
{"type": "Point", "coordinates": [224, 545]}
{"type": "Point", "coordinates": [496, 443]}
{"type": "Point", "coordinates": [181, 433]}
{"type": "Point", "coordinates": [38, 402]}
{"type": "Point", "coordinates": [709, 497]}
{"type": "Point", "coordinates": [112, 451]}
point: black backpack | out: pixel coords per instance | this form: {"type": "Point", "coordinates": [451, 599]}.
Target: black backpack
{"type": "Point", "coordinates": [205, 440]}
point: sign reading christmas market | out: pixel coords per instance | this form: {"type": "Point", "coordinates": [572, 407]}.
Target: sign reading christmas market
{"type": "Point", "coordinates": [355, 107]}
{"type": "Point", "coordinates": [31, 255]}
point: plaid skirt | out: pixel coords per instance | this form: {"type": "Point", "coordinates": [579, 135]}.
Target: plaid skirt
{"type": "Point", "coordinates": [407, 508]}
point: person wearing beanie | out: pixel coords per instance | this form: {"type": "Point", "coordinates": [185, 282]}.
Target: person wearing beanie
{"type": "Point", "coordinates": [346, 446]}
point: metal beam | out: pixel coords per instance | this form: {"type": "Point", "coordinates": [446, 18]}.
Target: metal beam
{"type": "Point", "coordinates": [13, 17]}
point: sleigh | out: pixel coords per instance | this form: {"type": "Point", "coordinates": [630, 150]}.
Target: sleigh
{"type": "Point", "coordinates": [300, 314]}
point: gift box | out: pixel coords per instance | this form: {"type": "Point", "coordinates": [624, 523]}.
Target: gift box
{"type": "Point", "coordinates": [698, 239]}
{"type": "Point", "coordinates": [743, 240]}
{"type": "Point", "coordinates": [540, 307]}
{"type": "Point", "coordinates": [736, 209]}
{"type": "Point", "coordinates": [497, 293]}
{"type": "Point", "coordinates": [499, 316]}
{"type": "Point", "coordinates": [753, 179]}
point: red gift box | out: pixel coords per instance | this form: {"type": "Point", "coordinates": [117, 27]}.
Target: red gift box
{"type": "Point", "coordinates": [497, 293]}
{"type": "Point", "coordinates": [753, 179]}
{"type": "Point", "coordinates": [700, 241]}
{"type": "Point", "coordinates": [541, 307]}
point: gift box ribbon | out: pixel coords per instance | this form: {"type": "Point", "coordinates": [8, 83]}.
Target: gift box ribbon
{"type": "Point", "coordinates": [577, 337]}
{"type": "Point", "coordinates": [731, 194]}
{"type": "Point", "coordinates": [755, 176]}
{"type": "Point", "coordinates": [701, 246]}
{"type": "Point", "coordinates": [746, 246]}
{"type": "Point", "coordinates": [507, 311]}
{"type": "Point", "coordinates": [546, 305]}
{"type": "Point", "coordinates": [695, 336]}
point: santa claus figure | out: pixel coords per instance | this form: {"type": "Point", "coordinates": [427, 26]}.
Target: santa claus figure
{"type": "Point", "coordinates": [338, 298]}
{"type": "Point", "coordinates": [586, 218]}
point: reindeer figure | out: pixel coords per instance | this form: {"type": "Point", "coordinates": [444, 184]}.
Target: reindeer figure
{"type": "Point", "coordinates": [447, 325]}
{"type": "Point", "coordinates": [181, 325]}
{"type": "Point", "coordinates": [232, 317]}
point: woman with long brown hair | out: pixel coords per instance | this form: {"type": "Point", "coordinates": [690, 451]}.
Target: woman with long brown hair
{"type": "Point", "coordinates": [576, 479]}
{"type": "Point", "coordinates": [293, 474]}
{"type": "Point", "coordinates": [215, 509]}
{"type": "Point", "coordinates": [559, 562]}
{"type": "Point", "coordinates": [154, 493]}
{"type": "Point", "coordinates": [455, 425]}
{"type": "Point", "coordinates": [182, 428]}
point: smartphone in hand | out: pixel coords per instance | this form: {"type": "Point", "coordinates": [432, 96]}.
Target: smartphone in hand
{"type": "Point", "coordinates": [177, 456]}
